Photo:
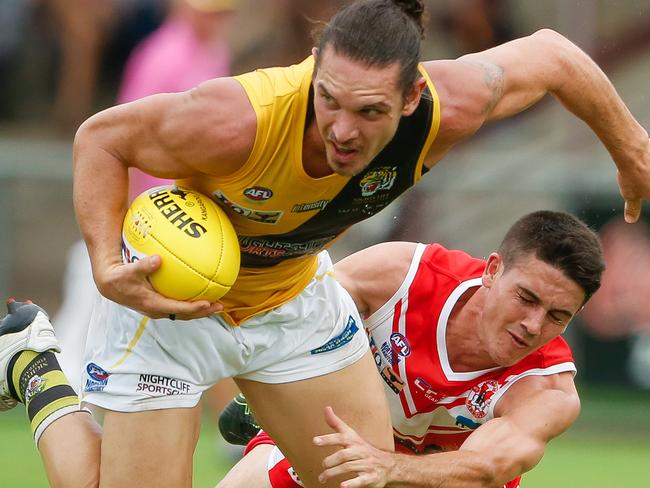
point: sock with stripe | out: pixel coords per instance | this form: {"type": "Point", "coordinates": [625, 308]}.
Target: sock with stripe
{"type": "Point", "coordinates": [36, 380]}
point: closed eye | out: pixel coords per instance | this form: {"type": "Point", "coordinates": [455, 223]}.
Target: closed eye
{"type": "Point", "coordinates": [559, 319]}
{"type": "Point", "coordinates": [524, 299]}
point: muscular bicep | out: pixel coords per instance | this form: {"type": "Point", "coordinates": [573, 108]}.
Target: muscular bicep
{"type": "Point", "coordinates": [210, 130]}
{"type": "Point", "coordinates": [519, 73]}
{"type": "Point", "coordinates": [531, 413]}
{"type": "Point", "coordinates": [496, 83]}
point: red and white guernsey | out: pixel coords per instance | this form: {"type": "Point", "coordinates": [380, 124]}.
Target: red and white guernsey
{"type": "Point", "coordinates": [433, 407]}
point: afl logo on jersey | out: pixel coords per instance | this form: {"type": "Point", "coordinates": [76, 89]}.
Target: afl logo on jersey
{"type": "Point", "coordinates": [258, 193]}
{"type": "Point", "coordinates": [400, 344]}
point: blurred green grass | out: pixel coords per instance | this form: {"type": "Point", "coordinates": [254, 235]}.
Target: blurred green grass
{"type": "Point", "coordinates": [609, 446]}
{"type": "Point", "coordinates": [595, 463]}
{"type": "Point", "coordinates": [20, 464]}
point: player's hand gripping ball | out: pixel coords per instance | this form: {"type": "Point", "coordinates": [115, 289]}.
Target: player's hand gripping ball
{"type": "Point", "coordinates": [193, 236]}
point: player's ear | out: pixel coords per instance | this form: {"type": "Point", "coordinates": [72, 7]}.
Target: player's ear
{"type": "Point", "coordinates": [492, 270]}
{"type": "Point", "coordinates": [314, 52]}
{"type": "Point", "coordinates": [412, 99]}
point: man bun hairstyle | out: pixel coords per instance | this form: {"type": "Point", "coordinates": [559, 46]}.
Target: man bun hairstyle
{"type": "Point", "coordinates": [558, 239]}
{"type": "Point", "coordinates": [415, 10]}
{"type": "Point", "coordinates": [378, 33]}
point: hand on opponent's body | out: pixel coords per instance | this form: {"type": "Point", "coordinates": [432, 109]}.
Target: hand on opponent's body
{"type": "Point", "coordinates": [372, 466]}
{"type": "Point", "coordinates": [527, 417]}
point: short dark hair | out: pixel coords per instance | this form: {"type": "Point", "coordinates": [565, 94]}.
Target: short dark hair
{"type": "Point", "coordinates": [558, 239]}
{"type": "Point", "coordinates": [378, 33]}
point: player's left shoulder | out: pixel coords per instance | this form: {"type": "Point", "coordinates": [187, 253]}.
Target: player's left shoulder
{"type": "Point", "coordinates": [394, 256]}
{"type": "Point", "coordinates": [371, 276]}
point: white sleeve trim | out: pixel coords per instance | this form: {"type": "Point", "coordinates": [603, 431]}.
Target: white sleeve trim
{"type": "Point", "coordinates": [511, 380]}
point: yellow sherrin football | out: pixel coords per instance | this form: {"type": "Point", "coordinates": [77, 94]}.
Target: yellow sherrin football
{"type": "Point", "coordinates": [192, 235]}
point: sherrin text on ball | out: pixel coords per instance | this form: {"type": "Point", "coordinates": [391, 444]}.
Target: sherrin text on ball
{"type": "Point", "coordinates": [193, 236]}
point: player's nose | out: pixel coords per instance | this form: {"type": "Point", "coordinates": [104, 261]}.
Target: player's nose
{"type": "Point", "coordinates": [534, 321]}
{"type": "Point", "coordinates": [344, 129]}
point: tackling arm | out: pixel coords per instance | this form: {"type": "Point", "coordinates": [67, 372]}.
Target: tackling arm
{"type": "Point", "coordinates": [509, 78]}
{"type": "Point", "coordinates": [534, 411]}
{"type": "Point", "coordinates": [170, 136]}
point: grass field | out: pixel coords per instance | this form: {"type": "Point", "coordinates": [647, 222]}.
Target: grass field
{"type": "Point", "coordinates": [609, 447]}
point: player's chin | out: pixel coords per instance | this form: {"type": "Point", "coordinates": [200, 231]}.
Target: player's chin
{"type": "Point", "coordinates": [347, 168]}
{"type": "Point", "coordinates": [514, 358]}
{"type": "Point", "coordinates": [505, 359]}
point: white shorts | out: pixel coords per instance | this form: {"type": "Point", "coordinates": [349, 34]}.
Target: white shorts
{"type": "Point", "coordinates": [133, 363]}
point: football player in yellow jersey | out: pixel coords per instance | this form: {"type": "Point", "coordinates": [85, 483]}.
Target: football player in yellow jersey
{"type": "Point", "coordinates": [295, 155]}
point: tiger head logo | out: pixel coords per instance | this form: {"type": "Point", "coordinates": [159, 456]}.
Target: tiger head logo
{"type": "Point", "coordinates": [378, 179]}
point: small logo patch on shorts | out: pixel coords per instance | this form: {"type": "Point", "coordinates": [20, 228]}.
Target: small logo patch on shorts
{"type": "Point", "coordinates": [340, 340]}
{"type": "Point", "coordinates": [97, 378]}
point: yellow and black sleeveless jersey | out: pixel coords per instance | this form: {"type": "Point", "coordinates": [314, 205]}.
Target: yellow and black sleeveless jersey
{"type": "Point", "coordinates": [284, 217]}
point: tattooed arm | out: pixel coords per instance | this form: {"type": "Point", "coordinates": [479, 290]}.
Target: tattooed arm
{"type": "Point", "coordinates": [509, 78]}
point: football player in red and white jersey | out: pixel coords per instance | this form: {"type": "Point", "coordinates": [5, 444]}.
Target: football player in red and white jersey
{"type": "Point", "coordinates": [476, 374]}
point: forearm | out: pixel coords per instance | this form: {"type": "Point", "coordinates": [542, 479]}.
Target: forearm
{"type": "Point", "coordinates": [492, 455]}
{"type": "Point", "coordinates": [461, 469]}
{"type": "Point", "coordinates": [100, 194]}
{"type": "Point", "coordinates": [518, 74]}
{"type": "Point", "coordinates": [586, 91]}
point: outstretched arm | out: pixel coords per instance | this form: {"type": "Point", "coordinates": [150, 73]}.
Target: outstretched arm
{"type": "Point", "coordinates": [509, 78]}
{"type": "Point", "coordinates": [530, 414]}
